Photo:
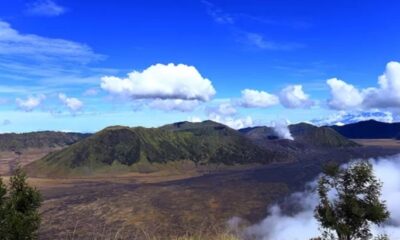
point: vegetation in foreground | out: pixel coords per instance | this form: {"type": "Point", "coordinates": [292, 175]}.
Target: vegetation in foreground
{"type": "Point", "coordinates": [19, 204]}
{"type": "Point", "coordinates": [356, 206]}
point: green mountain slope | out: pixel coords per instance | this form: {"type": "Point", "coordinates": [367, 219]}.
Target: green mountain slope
{"type": "Point", "coordinates": [45, 139]}
{"type": "Point", "coordinates": [305, 135]}
{"type": "Point", "coordinates": [124, 147]}
{"type": "Point", "coordinates": [319, 136]}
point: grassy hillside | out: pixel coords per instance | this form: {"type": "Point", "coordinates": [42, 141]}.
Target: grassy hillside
{"type": "Point", "coordinates": [124, 148]}
{"type": "Point", "coordinates": [45, 139]}
{"type": "Point", "coordinates": [319, 136]}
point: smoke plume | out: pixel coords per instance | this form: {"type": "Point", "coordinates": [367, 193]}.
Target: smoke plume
{"type": "Point", "coordinates": [281, 129]}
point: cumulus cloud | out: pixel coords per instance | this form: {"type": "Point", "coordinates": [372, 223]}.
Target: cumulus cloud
{"type": "Point", "coordinates": [13, 43]}
{"type": "Point", "coordinates": [174, 105]}
{"type": "Point", "coordinates": [73, 104]}
{"type": "Point", "coordinates": [345, 96]}
{"type": "Point", "coordinates": [387, 95]}
{"type": "Point", "coordinates": [344, 117]}
{"type": "Point", "coordinates": [45, 8]}
{"type": "Point", "coordinates": [257, 99]}
{"type": "Point", "coordinates": [224, 109]}
{"type": "Point", "coordinates": [233, 122]}
{"type": "Point", "coordinates": [282, 130]}
{"type": "Point", "coordinates": [302, 224]}
{"type": "Point", "coordinates": [30, 103]}
{"type": "Point", "coordinates": [161, 81]}
{"type": "Point", "coordinates": [293, 96]}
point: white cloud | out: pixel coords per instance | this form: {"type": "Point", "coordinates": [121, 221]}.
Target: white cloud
{"type": "Point", "coordinates": [233, 122]}
{"type": "Point", "coordinates": [293, 96]}
{"type": "Point", "coordinates": [45, 8]}
{"type": "Point", "coordinates": [343, 95]}
{"type": "Point", "coordinates": [302, 224]}
{"type": "Point", "coordinates": [30, 46]}
{"type": "Point", "coordinates": [257, 99]}
{"type": "Point", "coordinates": [386, 95]}
{"type": "Point", "coordinates": [224, 109]}
{"type": "Point", "coordinates": [30, 103]}
{"type": "Point", "coordinates": [73, 104]}
{"type": "Point", "coordinates": [161, 81]}
{"type": "Point", "coordinates": [174, 105]}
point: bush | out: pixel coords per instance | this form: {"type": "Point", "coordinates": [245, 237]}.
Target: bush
{"type": "Point", "coordinates": [356, 206]}
{"type": "Point", "coordinates": [19, 204]}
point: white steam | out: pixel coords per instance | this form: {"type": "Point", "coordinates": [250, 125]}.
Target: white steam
{"type": "Point", "coordinates": [281, 129]}
{"type": "Point", "coordinates": [303, 226]}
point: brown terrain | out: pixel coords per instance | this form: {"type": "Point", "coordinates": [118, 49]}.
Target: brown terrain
{"type": "Point", "coordinates": [173, 203]}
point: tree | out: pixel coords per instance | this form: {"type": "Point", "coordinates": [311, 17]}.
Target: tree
{"type": "Point", "coordinates": [19, 204]}
{"type": "Point", "coordinates": [349, 202]}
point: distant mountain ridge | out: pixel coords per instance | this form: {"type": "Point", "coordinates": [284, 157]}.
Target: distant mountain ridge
{"type": "Point", "coordinates": [369, 129]}
{"type": "Point", "coordinates": [43, 139]}
{"type": "Point", "coordinates": [304, 134]}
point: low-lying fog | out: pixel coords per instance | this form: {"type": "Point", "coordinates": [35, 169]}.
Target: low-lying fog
{"type": "Point", "coordinates": [302, 225]}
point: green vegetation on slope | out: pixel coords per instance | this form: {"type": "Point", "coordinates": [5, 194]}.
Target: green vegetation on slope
{"type": "Point", "coordinates": [118, 147]}
{"type": "Point", "coordinates": [319, 136]}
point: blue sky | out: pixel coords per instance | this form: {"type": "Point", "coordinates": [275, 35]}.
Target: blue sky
{"type": "Point", "coordinates": [64, 65]}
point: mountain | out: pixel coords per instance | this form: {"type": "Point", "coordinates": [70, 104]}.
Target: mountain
{"type": "Point", "coordinates": [305, 136]}
{"type": "Point", "coordinates": [125, 148]}
{"type": "Point", "coordinates": [44, 139]}
{"type": "Point", "coordinates": [369, 129]}
{"type": "Point", "coordinates": [319, 136]}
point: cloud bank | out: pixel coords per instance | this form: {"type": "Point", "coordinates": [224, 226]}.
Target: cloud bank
{"type": "Point", "coordinates": [345, 117]}
{"type": "Point", "coordinates": [345, 96]}
{"type": "Point", "coordinates": [302, 225]}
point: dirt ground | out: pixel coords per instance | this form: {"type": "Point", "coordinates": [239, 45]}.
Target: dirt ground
{"type": "Point", "coordinates": [10, 159]}
{"type": "Point", "coordinates": [166, 204]}
{"type": "Point", "coordinates": [389, 143]}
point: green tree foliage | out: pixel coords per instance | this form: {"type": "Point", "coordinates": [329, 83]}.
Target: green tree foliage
{"type": "Point", "coordinates": [19, 203]}
{"type": "Point", "coordinates": [349, 202]}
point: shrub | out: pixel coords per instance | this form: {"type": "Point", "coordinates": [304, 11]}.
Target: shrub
{"type": "Point", "coordinates": [19, 204]}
